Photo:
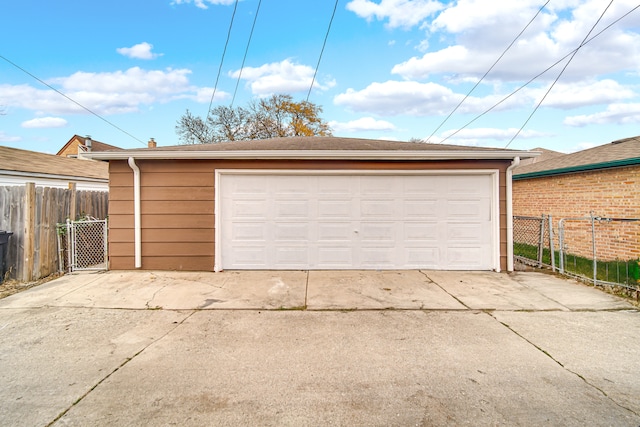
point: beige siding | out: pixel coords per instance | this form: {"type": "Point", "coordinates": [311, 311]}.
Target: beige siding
{"type": "Point", "coordinates": [177, 206]}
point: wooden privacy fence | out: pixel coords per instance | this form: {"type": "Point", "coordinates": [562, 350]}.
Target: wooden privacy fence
{"type": "Point", "coordinates": [31, 214]}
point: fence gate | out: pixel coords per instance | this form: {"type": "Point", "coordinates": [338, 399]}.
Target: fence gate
{"type": "Point", "coordinates": [83, 245]}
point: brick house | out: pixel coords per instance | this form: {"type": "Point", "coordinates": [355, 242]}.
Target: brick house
{"type": "Point", "coordinates": [603, 180]}
{"type": "Point", "coordinates": [83, 144]}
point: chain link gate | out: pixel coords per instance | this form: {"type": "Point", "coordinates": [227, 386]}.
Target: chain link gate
{"type": "Point", "coordinates": [533, 241]}
{"type": "Point", "coordinates": [83, 245]}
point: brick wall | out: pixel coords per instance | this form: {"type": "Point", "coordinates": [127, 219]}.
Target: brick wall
{"type": "Point", "coordinates": [613, 193]}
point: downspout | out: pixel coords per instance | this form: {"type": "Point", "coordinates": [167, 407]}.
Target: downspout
{"type": "Point", "coordinates": [137, 239]}
{"type": "Point", "coordinates": [514, 164]}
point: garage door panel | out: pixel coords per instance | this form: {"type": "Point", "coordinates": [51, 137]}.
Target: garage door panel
{"type": "Point", "coordinates": [247, 209]}
{"type": "Point", "coordinates": [286, 231]}
{"type": "Point", "coordinates": [334, 257]}
{"type": "Point", "coordinates": [378, 233]}
{"type": "Point", "coordinates": [291, 256]}
{"type": "Point", "coordinates": [332, 231]}
{"type": "Point", "coordinates": [351, 221]}
{"type": "Point", "coordinates": [335, 209]}
{"type": "Point", "coordinates": [421, 232]}
{"type": "Point", "coordinates": [249, 232]}
{"type": "Point", "coordinates": [291, 209]}
{"type": "Point", "coordinates": [468, 209]}
{"type": "Point", "coordinates": [378, 208]}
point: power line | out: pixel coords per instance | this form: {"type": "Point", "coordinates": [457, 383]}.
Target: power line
{"type": "Point", "coordinates": [255, 18]}
{"type": "Point", "coordinates": [72, 100]}
{"type": "Point", "coordinates": [322, 50]}
{"type": "Point", "coordinates": [575, 52]}
{"type": "Point", "coordinates": [235, 7]}
{"type": "Point", "coordinates": [488, 71]}
{"type": "Point", "coordinates": [539, 74]}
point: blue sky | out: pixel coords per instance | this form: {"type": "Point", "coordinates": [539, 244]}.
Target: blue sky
{"type": "Point", "coordinates": [391, 69]}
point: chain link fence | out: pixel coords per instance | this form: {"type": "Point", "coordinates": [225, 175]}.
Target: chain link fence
{"type": "Point", "coordinates": [603, 250]}
{"type": "Point", "coordinates": [83, 245]}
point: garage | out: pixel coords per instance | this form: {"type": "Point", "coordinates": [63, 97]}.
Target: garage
{"type": "Point", "coordinates": [310, 203]}
{"type": "Point", "coordinates": [313, 220]}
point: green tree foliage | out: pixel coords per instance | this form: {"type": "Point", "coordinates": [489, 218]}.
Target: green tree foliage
{"type": "Point", "coordinates": [276, 116]}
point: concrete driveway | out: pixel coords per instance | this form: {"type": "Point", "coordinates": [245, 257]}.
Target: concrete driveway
{"type": "Point", "coordinates": [318, 348]}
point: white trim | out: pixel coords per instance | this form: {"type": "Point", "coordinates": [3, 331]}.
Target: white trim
{"type": "Point", "coordinates": [495, 206]}
{"type": "Point", "coordinates": [310, 154]}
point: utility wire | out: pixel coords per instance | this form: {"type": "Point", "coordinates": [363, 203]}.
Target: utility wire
{"type": "Point", "coordinates": [72, 100]}
{"type": "Point", "coordinates": [575, 52]}
{"type": "Point", "coordinates": [538, 75]}
{"type": "Point", "coordinates": [322, 50]}
{"type": "Point", "coordinates": [488, 71]}
{"type": "Point", "coordinates": [235, 7]}
{"type": "Point", "coordinates": [255, 18]}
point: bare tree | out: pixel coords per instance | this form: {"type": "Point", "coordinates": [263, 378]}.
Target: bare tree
{"type": "Point", "coordinates": [276, 116]}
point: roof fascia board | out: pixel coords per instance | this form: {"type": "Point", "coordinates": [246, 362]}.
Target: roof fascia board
{"type": "Point", "coordinates": [51, 176]}
{"type": "Point", "coordinates": [580, 168]}
{"type": "Point", "coordinates": [310, 155]}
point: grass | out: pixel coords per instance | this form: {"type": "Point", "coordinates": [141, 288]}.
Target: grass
{"type": "Point", "coordinates": [617, 271]}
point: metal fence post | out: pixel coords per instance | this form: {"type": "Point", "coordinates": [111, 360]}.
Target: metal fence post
{"type": "Point", "coordinates": [561, 243]}
{"type": "Point", "coordinates": [553, 255]}
{"type": "Point", "coordinates": [593, 243]}
{"type": "Point", "coordinates": [541, 241]}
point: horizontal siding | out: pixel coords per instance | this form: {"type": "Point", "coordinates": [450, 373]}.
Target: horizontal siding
{"type": "Point", "coordinates": [162, 207]}
{"type": "Point", "coordinates": [177, 207]}
{"type": "Point", "coordinates": [177, 249]}
{"type": "Point", "coordinates": [193, 263]}
{"type": "Point", "coordinates": [167, 235]}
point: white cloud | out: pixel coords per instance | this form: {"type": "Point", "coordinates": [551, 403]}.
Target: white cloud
{"type": "Point", "coordinates": [481, 34]}
{"type": "Point", "coordinates": [575, 95]}
{"type": "Point", "coordinates": [400, 13]}
{"type": "Point", "coordinates": [139, 51]}
{"type": "Point", "coordinates": [418, 99]}
{"type": "Point", "coordinates": [363, 124]}
{"type": "Point", "coordinates": [493, 133]}
{"type": "Point", "coordinates": [615, 114]}
{"type": "Point", "coordinates": [44, 122]}
{"type": "Point", "coordinates": [104, 93]}
{"type": "Point", "coordinates": [202, 4]}
{"type": "Point", "coordinates": [280, 77]}
{"type": "Point", "coordinates": [8, 138]}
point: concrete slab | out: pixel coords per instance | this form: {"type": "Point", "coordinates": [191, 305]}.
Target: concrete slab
{"type": "Point", "coordinates": [51, 357]}
{"type": "Point", "coordinates": [570, 293]}
{"type": "Point", "coordinates": [169, 290]}
{"type": "Point", "coordinates": [392, 368]}
{"type": "Point", "coordinates": [484, 290]}
{"type": "Point", "coordinates": [601, 346]}
{"type": "Point", "coordinates": [410, 290]}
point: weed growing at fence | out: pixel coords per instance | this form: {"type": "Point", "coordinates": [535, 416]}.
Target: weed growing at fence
{"type": "Point", "coordinates": [624, 272]}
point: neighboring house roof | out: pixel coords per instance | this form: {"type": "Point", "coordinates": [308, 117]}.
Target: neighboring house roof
{"type": "Point", "coordinates": [26, 165]}
{"type": "Point", "coordinates": [544, 155]}
{"type": "Point", "coordinates": [623, 152]}
{"type": "Point", "coordinates": [80, 142]}
{"type": "Point", "coordinates": [318, 147]}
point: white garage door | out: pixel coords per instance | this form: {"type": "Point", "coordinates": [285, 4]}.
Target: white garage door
{"type": "Point", "coordinates": [326, 221]}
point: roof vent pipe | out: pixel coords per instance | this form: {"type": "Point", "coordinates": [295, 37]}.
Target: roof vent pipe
{"type": "Point", "coordinates": [87, 143]}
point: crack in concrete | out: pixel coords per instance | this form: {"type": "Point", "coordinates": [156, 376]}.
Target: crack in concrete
{"type": "Point", "coordinates": [550, 356]}
{"type": "Point", "coordinates": [147, 304]}
{"type": "Point", "coordinates": [122, 365]}
{"type": "Point", "coordinates": [445, 291]}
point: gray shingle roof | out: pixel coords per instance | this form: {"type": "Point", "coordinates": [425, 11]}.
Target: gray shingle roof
{"type": "Point", "coordinates": [603, 156]}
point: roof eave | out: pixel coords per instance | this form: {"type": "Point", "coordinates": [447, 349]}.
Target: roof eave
{"type": "Point", "coordinates": [310, 155]}
{"type": "Point", "coordinates": [27, 174]}
{"type": "Point", "coordinates": [579, 168]}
